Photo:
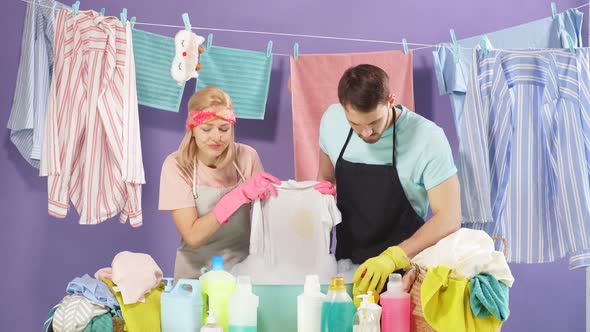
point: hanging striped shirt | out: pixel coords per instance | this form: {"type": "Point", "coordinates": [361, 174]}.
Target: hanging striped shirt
{"type": "Point", "coordinates": [523, 153]}
{"type": "Point", "coordinates": [92, 149]}
{"type": "Point", "coordinates": [27, 117]}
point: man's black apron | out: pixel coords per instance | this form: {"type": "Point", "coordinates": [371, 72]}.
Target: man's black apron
{"type": "Point", "coordinates": [376, 213]}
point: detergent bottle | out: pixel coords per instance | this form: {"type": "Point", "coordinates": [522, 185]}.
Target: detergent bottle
{"type": "Point", "coordinates": [243, 307]}
{"type": "Point", "coordinates": [182, 307]}
{"type": "Point", "coordinates": [396, 306]}
{"type": "Point", "coordinates": [218, 286]}
{"type": "Point", "coordinates": [309, 306]}
{"type": "Point", "coordinates": [368, 316]}
{"type": "Point", "coordinates": [338, 309]}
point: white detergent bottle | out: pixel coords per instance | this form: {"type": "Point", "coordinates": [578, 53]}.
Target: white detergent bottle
{"type": "Point", "coordinates": [368, 316]}
{"type": "Point", "coordinates": [211, 325]}
{"type": "Point", "coordinates": [243, 307]}
{"type": "Point", "coordinates": [309, 306]}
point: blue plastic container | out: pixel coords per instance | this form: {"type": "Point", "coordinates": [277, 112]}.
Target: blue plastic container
{"type": "Point", "coordinates": [182, 307]}
{"type": "Point", "coordinates": [277, 308]}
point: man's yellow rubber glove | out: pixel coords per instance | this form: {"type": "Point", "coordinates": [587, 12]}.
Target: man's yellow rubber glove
{"type": "Point", "coordinates": [374, 272]}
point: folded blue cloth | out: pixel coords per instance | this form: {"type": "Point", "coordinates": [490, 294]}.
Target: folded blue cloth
{"type": "Point", "coordinates": [489, 297]}
{"type": "Point", "coordinates": [95, 291]}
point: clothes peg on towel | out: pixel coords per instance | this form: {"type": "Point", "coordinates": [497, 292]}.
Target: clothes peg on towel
{"type": "Point", "coordinates": [209, 40]}
{"type": "Point", "coordinates": [405, 45]}
{"type": "Point", "coordinates": [132, 20]}
{"type": "Point", "coordinates": [553, 10]}
{"type": "Point", "coordinates": [102, 11]}
{"type": "Point", "coordinates": [296, 51]}
{"type": "Point", "coordinates": [269, 49]}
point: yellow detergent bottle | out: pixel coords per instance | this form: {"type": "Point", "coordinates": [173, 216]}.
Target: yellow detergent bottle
{"type": "Point", "coordinates": [217, 286]}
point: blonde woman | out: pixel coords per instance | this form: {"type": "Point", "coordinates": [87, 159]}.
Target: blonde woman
{"type": "Point", "coordinates": [208, 185]}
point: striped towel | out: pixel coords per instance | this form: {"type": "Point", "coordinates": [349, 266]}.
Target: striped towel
{"type": "Point", "coordinates": [153, 57]}
{"type": "Point", "coordinates": [244, 75]}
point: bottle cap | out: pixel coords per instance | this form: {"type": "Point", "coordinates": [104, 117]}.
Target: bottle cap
{"type": "Point", "coordinates": [217, 263]}
{"type": "Point", "coordinates": [312, 284]}
{"type": "Point", "coordinates": [395, 282]}
{"type": "Point", "coordinates": [244, 285]}
{"type": "Point", "coordinates": [337, 283]}
{"type": "Point", "coordinates": [211, 318]}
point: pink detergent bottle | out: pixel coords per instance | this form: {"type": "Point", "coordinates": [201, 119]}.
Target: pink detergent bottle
{"type": "Point", "coordinates": [396, 306]}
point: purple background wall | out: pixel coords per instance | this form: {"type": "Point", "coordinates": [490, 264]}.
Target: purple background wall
{"type": "Point", "coordinates": [40, 255]}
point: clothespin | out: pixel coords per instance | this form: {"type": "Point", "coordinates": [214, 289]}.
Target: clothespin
{"type": "Point", "coordinates": [405, 45]}
{"type": "Point", "coordinates": [102, 11]}
{"type": "Point", "coordinates": [124, 16]}
{"type": "Point", "coordinates": [296, 51]}
{"type": "Point", "coordinates": [75, 8]}
{"type": "Point", "coordinates": [269, 49]}
{"type": "Point", "coordinates": [553, 10]}
{"type": "Point", "coordinates": [455, 45]}
{"type": "Point", "coordinates": [132, 20]}
{"type": "Point", "coordinates": [570, 42]}
{"type": "Point", "coordinates": [484, 44]}
{"type": "Point", "coordinates": [187, 21]}
{"type": "Point", "coordinates": [209, 40]}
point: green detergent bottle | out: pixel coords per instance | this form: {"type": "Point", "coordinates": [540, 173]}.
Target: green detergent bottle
{"type": "Point", "coordinates": [217, 286]}
{"type": "Point", "coordinates": [338, 309]}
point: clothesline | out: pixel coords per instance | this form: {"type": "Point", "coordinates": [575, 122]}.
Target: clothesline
{"type": "Point", "coordinates": [422, 46]}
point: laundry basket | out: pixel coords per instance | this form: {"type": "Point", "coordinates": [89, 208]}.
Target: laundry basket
{"type": "Point", "coordinates": [417, 322]}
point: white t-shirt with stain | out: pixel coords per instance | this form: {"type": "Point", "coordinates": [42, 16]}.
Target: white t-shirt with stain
{"type": "Point", "coordinates": [291, 234]}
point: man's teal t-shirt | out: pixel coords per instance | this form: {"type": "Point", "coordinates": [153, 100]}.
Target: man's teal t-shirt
{"type": "Point", "coordinates": [424, 157]}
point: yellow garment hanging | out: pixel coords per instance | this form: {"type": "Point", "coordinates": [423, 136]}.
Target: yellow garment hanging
{"type": "Point", "coordinates": [445, 304]}
{"type": "Point", "coordinates": [141, 316]}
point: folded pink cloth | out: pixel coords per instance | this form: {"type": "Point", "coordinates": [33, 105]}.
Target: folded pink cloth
{"type": "Point", "coordinates": [104, 273]}
{"type": "Point", "coordinates": [134, 275]}
{"type": "Point", "coordinates": [314, 87]}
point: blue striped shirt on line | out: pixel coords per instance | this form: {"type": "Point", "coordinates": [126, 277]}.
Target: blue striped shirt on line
{"type": "Point", "coordinates": [27, 117]}
{"type": "Point", "coordinates": [523, 162]}
{"type": "Point", "coordinates": [547, 32]}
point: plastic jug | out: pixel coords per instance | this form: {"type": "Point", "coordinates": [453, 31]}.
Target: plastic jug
{"type": "Point", "coordinates": [338, 309]}
{"type": "Point", "coordinates": [309, 306]}
{"type": "Point", "coordinates": [181, 307]}
{"type": "Point", "coordinates": [367, 318]}
{"type": "Point", "coordinates": [217, 286]}
{"type": "Point", "coordinates": [396, 306]}
{"type": "Point", "coordinates": [243, 307]}
{"type": "Point", "coordinates": [211, 325]}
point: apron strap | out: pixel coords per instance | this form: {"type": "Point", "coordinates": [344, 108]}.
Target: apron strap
{"type": "Point", "coordinates": [345, 144]}
{"type": "Point", "coordinates": [393, 148]}
{"type": "Point", "coordinates": [239, 171]}
{"type": "Point", "coordinates": [195, 195]}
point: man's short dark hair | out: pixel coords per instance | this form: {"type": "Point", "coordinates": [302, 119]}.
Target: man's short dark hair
{"type": "Point", "coordinates": [363, 87]}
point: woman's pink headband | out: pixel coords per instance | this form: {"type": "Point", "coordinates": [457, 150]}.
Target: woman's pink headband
{"type": "Point", "coordinates": [197, 117]}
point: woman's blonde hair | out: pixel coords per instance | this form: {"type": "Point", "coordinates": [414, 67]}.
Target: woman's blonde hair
{"type": "Point", "coordinates": [210, 96]}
